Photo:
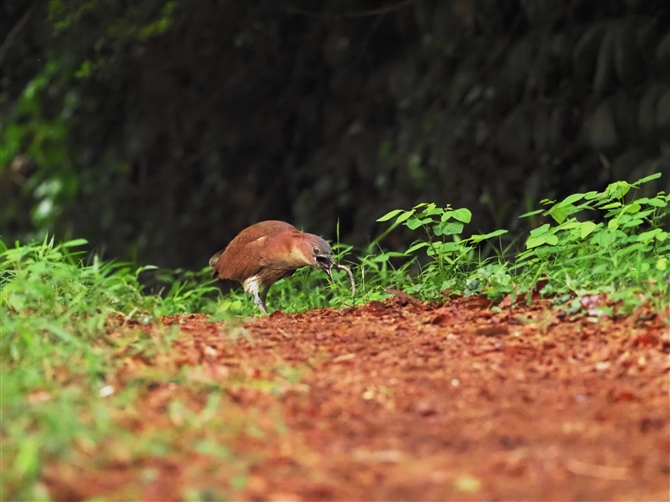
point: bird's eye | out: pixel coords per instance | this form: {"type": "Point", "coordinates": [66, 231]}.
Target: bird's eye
{"type": "Point", "coordinates": [316, 250]}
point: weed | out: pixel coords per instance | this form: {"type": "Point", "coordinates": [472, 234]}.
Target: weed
{"type": "Point", "coordinates": [625, 255]}
{"type": "Point", "coordinates": [622, 252]}
{"type": "Point", "coordinates": [452, 258]}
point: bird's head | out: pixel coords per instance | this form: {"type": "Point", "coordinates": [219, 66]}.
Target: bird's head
{"type": "Point", "coordinates": [316, 253]}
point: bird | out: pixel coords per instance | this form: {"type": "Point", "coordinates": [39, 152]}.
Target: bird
{"type": "Point", "coordinates": [268, 251]}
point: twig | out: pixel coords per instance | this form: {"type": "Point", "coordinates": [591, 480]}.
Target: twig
{"type": "Point", "coordinates": [596, 471]}
{"type": "Point", "coordinates": [284, 333]}
{"type": "Point", "coordinates": [345, 357]}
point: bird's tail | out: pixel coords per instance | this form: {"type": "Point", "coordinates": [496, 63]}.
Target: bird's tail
{"type": "Point", "coordinates": [213, 261]}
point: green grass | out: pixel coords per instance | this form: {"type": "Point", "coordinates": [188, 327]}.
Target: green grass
{"type": "Point", "coordinates": [60, 356]}
{"type": "Point", "coordinates": [58, 360]}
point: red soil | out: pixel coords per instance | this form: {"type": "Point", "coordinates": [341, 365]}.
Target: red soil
{"type": "Point", "coordinates": [402, 401]}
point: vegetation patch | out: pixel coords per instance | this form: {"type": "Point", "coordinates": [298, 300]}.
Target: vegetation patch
{"type": "Point", "coordinates": [114, 388]}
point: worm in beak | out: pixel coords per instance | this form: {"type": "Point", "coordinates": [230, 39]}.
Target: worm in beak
{"type": "Point", "coordinates": [351, 277]}
{"type": "Point", "coordinates": [326, 263]}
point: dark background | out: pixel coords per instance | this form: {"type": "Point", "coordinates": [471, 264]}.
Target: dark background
{"type": "Point", "coordinates": [157, 130]}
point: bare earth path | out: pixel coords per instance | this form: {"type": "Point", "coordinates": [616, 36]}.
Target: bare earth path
{"type": "Point", "coordinates": [398, 401]}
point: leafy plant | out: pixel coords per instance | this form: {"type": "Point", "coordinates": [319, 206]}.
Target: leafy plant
{"type": "Point", "coordinates": [451, 257]}
{"type": "Point", "coordinates": [623, 251]}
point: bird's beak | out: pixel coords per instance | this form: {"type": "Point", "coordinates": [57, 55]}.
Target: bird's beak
{"type": "Point", "coordinates": [325, 263]}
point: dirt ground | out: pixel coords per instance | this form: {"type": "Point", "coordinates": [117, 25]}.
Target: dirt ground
{"type": "Point", "coordinates": [404, 401]}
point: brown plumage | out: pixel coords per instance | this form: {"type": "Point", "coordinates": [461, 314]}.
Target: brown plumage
{"type": "Point", "coordinates": [265, 252]}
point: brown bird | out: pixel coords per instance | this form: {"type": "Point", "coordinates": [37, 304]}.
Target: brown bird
{"type": "Point", "coordinates": [265, 252]}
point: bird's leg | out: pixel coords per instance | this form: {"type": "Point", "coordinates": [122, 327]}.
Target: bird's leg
{"type": "Point", "coordinates": [259, 299]}
{"type": "Point", "coordinates": [260, 302]}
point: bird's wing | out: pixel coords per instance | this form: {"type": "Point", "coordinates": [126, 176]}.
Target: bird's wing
{"type": "Point", "coordinates": [240, 260]}
{"type": "Point", "coordinates": [247, 253]}
{"type": "Point", "coordinates": [263, 229]}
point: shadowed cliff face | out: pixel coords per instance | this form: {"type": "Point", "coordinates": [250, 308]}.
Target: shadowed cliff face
{"type": "Point", "coordinates": [164, 129]}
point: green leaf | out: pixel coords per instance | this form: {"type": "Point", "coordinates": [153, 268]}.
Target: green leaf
{"type": "Point", "coordinates": [74, 243]}
{"type": "Point", "coordinates": [495, 233]}
{"type": "Point", "coordinates": [572, 198]}
{"type": "Point", "coordinates": [449, 228]}
{"type": "Point", "coordinates": [463, 214]}
{"type": "Point", "coordinates": [651, 177]}
{"type": "Point", "coordinates": [144, 268]}
{"type": "Point", "coordinates": [417, 246]}
{"type": "Point", "coordinates": [569, 225]}
{"type": "Point", "coordinates": [540, 230]}
{"type": "Point", "coordinates": [430, 209]}
{"type": "Point", "coordinates": [483, 237]}
{"type": "Point", "coordinates": [558, 213]}
{"type": "Point", "coordinates": [390, 215]}
{"type": "Point", "coordinates": [657, 202]}
{"type": "Point", "coordinates": [404, 216]}
{"type": "Point", "coordinates": [632, 208]}
{"type": "Point", "coordinates": [449, 247]}
{"type": "Point", "coordinates": [632, 222]}
{"type": "Point", "coordinates": [604, 238]}
{"type": "Point", "coordinates": [617, 190]}
{"type": "Point", "coordinates": [586, 228]}
{"type": "Point", "coordinates": [649, 235]}
{"type": "Point", "coordinates": [532, 213]}
{"type": "Point", "coordinates": [414, 223]}
{"type": "Point", "coordinates": [533, 242]}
